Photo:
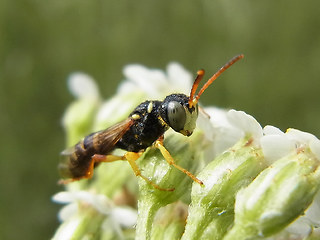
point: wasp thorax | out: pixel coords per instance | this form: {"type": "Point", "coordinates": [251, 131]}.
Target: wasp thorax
{"type": "Point", "coordinates": [176, 113]}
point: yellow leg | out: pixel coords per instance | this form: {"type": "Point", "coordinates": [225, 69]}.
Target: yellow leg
{"type": "Point", "coordinates": [97, 158]}
{"type": "Point", "coordinates": [170, 160]}
{"type": "Point", "coordinates": [131, 158]}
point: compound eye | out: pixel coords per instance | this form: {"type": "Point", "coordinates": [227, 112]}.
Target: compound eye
{"type": "Point", "coordinates": [176, 115]}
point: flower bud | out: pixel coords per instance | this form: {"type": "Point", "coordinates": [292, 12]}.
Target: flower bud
{"type": "Point", "coordinates": [279, 195]}
{"type": "Point", "coordinates": [213, 204]}
{"type": "Point", "coordinates": [170, 221]}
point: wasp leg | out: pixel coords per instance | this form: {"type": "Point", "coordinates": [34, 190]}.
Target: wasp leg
{"type": "Point", "coordinates": [170, 160]}
{"type": "Point", "coordinates": [95, 159]}
{"type": "Point", "coordinates": [98, 158]}
{"type": "Point", "coordinates": [131, 158]}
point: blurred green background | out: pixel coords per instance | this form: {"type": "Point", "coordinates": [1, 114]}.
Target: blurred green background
{"type": "Point", "coordinates": [42, 42]}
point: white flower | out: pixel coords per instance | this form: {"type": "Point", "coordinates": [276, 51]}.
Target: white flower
{"type": "Point", "coordinates": [155, 83]}
{"type": "Point", "coordinates": [225, 128]}
{"type": "Point", "coordinates": [276, 144]}
{"type": "Point", "coordinates": [304, 139]}
{"type": "Point", "coordinates": [124, 216]}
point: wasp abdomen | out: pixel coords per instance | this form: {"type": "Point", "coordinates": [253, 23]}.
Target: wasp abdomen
{"type": "Point", "coordinates": [76, 161]}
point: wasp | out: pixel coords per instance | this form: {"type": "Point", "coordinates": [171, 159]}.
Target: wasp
{"type": "Point", "coordinates": [144, 127]}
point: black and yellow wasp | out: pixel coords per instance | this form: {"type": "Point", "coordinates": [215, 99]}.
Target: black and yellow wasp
{"type": "Point", "coordinates": [145, 126]}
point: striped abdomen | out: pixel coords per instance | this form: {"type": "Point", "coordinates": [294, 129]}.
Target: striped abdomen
{"type": "Point", "coordinates": [76, 162]}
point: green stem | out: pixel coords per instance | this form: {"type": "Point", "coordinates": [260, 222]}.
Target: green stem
{"type": "Point", "coordinates": [240, 232]}
{"type": "Point", "coordinates": [147, 211]}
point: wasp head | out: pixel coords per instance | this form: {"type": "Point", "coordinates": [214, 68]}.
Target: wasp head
{"type": "Point", "coordinates": [177, 113]}
{"type": "Point", "coordinates": [180, 112]}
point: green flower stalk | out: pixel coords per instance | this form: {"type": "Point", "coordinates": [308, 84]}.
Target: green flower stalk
{"type": "Point", "coordinates": [170, 221]}
{"type": "Point", "coordinates": [183, 150]}
{"type": "Point", "coordinates": [258, 182]}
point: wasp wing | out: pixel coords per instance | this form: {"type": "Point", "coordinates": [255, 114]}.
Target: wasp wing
{"type": "Point", "coordinates": [104, 141]}
{"type": "Point", "coordinates": [76, 161]}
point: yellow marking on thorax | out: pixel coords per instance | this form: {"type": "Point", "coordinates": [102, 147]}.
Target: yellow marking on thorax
{"type": "Point", "coordinates": [135, 116]}
{"type": "Point", "coordinates": [150, 107]}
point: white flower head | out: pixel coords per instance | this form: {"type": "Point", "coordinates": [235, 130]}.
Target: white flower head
{"type": "Point", "coordinates": [124, 216]}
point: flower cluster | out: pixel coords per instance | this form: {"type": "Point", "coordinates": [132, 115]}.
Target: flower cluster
{"type": "Point", "coordinates": [259, 183]}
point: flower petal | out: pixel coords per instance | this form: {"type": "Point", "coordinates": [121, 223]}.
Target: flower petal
{"type": "Point", "coordinates": [300, 136]}
{"type": "Point", "coordinates": [63, 197]}
{"type": "Point", "coordinates": [315, 147]}
{"type": "Point", "coordinates": [126, 217]}
{"type": "Point", "coordinates": [313, 212]}
{"type": "Point", "coordinates": [150, 81]}
{"type": "Point", "coordinates": [245, 122]}
{"type": "Point", "coordinates": [271, 130]}
{"type": "Point", "coordinates": [275, 147]}
{"type": "Point", "coordinates": [82, 85]}
{"type": "Point", "coordinates": [179, 78]}
{"type": "Point", "coordinates": [68, 211]}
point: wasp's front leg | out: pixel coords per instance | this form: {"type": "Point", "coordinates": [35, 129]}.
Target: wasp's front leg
{"type": "Point", "coordinates": [159, 144]}
{"type": "Point", "coordinates": [131, 157]}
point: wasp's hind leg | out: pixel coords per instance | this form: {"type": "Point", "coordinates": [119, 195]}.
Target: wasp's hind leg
{"type": "Point", "coordinates": [159, 144]}
{"type": "Point", "coordinates": [131, 157]}
{"type": "Point", "coordinates": [87, 171]}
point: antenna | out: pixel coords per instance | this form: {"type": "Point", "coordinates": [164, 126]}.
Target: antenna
{"type": "Point", "coordinates": [194, 100]}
